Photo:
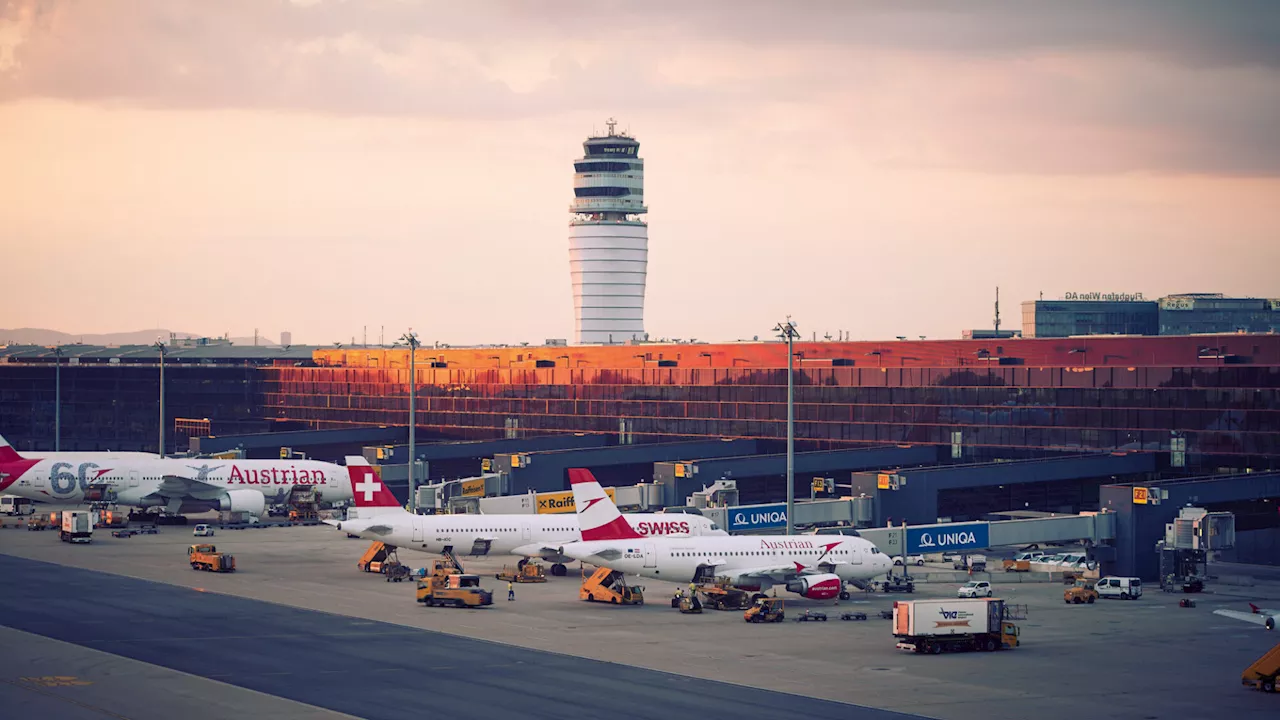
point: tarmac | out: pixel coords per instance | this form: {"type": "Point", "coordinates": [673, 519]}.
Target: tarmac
{"type": "Point", "coordinates": [298, 607]}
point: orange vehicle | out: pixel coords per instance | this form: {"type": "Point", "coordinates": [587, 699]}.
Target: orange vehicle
{"type": "Point", "coordinates": [207, 557]}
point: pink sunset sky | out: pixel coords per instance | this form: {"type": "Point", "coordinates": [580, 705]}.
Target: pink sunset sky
{"type": "Point", "coordinates": [873, 167]}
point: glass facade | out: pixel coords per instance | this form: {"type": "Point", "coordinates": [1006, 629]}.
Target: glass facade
{"type": "Point", "coordinates": [1064, 318]}
{"type": "Point", "coordinates": [1224, 414]}
{"type": "Point", "coordinates": [1212, 313]}
{"type": "Point", "coordinates": [116, 407]}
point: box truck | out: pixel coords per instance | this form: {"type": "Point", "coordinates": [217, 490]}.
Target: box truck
{"type": "Point", "coordinates": [931, 626]}
{"type": "Point", "coordinates": [77, 526]}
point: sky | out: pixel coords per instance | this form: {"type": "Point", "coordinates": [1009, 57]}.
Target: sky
{"type": "Point", "coordinates": [340, 167]}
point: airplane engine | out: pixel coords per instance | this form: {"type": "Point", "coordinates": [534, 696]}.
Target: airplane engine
{"type": "Point", "coordinates": [250, 501]}
{"type": "Point", "coordinates": [816, 587]}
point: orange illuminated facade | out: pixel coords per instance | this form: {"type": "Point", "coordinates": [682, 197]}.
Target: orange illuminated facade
{"type": "Point", "coordinates": [1216, 398]}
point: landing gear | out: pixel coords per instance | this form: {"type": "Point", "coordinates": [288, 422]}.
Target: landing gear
{"type": "Point", "coordinates": [844, 595]}
{"type": "Point", "coordinates": [559, 570]}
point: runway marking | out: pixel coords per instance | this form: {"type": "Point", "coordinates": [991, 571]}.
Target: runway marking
{"type": "Point", "coordinates": [56, 696]}
{"type": "Point", "coordinates": [55, 680]}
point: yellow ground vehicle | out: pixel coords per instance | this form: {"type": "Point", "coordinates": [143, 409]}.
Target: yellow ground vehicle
{"type": "Point", "coordinates": [448, 587]}
{"type": "Point", "coordinates": [1017, 566]}
{"type": "Point", "coordinates": [766, 609]}
{"type": "Point", "coordinates": [525, 571]}
{"type": "Point", "coordinates": [1263, 673]}
{"type": "Point", "coordinates": [723, 596]}
{"type": "Point", "coordinates": [610, 586]}
{"type": "Point", "coordinates": [691, 605]}
{"type": "Point", "coordinates": [378, 554]}
{"type": "Point", "coordinates": [207, 557]}
{"type": "Point", "coordinates": [1082, 592]}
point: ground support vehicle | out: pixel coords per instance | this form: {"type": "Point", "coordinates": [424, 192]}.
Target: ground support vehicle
{"type": "Point", "coordinates": [123, 533]}
{"type": "Point", "coordinates": [377, 554]}
{"type": "Point", "coordinates": [525, 571]}
{"type": "Point", "coordinates": [395, 572]}
{"type": "Point", "coordinates": [766, 609]}
{"type": "Point", "coordinates": [723, 596]}
{"type": "Point", "coordinates": [77, 526]}
{"type": "Point", "coordinates": [932, 626]}
{"type": "Point", "coordinates": [206, 557]}
{"type": "Point", "coordinates": [898, 583]}
{"type": "Point", "coordinates": [853, 616]}
{"type": "Point", "coordinates": [690, 605]}
{"type": "Point", "coordinates": [610, 586]}
{"type": "Point", "coordinates": [446, 586]}
{"type": "Point", "coordinates": [1082, 592]}
{"type": "Point", "coordinates": [148, 530]}
{"type": "Point", "coordinates": [1264, 671]}
{"type": "Point", "coordinates": [811, 616]}
{"type": "Point", "coordinates": [1017, 566]}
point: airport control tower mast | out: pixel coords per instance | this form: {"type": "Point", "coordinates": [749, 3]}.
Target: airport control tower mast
{"type": "Point", "coordinates": [608, 242]}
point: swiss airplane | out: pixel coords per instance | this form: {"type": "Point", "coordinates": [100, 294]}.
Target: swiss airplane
{"type": "Point", "coordinates": [812, 566]}
{"type": "Point", "coordinates": [180, 485]}
{"type": "Point", "coordinates": [380, 517]}
{"type": "Point", "coordinates": [1259, 616]}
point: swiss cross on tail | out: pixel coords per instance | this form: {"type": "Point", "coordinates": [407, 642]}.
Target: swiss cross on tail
{"type": "Point", "coordinates": [597, 515]}
{"type": "Point", "coordinates": [368, 490]}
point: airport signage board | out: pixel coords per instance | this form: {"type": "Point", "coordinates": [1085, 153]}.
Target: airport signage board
{"type": "Point", "coordinates": [757, 517]}
{"type": "Point", "coordinates": [946, 538]}
{"type": "Point", "coordinates": [473, 488]}
{"type": "Point", "coordinates": [562, 502]}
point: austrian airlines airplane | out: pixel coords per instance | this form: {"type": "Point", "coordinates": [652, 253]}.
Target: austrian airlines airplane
{"type": "Point", "coordinates": [180, 485]}
{"type": "Point", "coordinates": [813, 566]}
{"type": "Point", "coordinates": [537, 536]}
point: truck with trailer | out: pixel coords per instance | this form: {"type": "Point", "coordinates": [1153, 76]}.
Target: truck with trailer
{"type": "Point", "coordinates": [932, 626]}
{"type": "Point", "coordinates": [77, 526]}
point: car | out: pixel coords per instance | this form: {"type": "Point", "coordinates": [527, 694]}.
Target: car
{"type": "Point", "coordinates": [916, 560]}
{"type": "Point", "coordinates": [1029, 557]}
{"type": "Point", "coordinates": [974, 589]}
{"type": "Point", "coordinates": [203, 531]}
{"type": "Point", "coordinates": [1125, 588]}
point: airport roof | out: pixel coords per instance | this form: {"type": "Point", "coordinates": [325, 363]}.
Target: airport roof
{"type": "Point", "coordinates": [210, 353]}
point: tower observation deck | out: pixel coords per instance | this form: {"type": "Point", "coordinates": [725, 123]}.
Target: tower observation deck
{"type": "Point", "coordinates": [608, 240]}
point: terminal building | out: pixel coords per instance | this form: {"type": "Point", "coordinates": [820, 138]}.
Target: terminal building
{"type": "Point", "coordinates": [1123, 314]}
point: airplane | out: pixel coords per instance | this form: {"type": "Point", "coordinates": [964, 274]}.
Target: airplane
{"type": "Point", "coordinates": [378, 516]}
{"type": "Point", "coordinates": [814, 567]}
{"type": "Point", "coordinates": [1259, 616]}
{"type": "Point", "coordinates": [177, 484]}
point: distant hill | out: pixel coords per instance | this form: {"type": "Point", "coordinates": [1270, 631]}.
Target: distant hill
{"type": "Point", "coordinates": [41, 336]}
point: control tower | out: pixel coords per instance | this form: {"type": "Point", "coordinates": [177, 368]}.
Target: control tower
{"type": "Point", "coordinates": [608, 241]}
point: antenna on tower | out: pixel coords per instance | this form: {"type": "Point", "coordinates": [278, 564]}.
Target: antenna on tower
{"type": "Point", "coordinates": [997, 311]}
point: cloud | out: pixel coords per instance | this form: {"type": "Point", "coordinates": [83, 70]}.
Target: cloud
{"type": "Point", "coordinates": [1089, 86]}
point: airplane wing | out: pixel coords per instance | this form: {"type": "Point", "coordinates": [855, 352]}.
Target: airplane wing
{"type": "Point", "coordinates": [178, 486]}
{"type": "Point", "coordinates": [774, 573]}
{"type": "Point", "coordinates": [1263, 617]}
{"type": "Point", "coordinates": [549, 552]}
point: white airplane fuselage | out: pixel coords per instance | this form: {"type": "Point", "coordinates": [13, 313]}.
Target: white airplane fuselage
{"type": "Point", "coordinates": [684, 560]}
{"type": "Point", "coordinates": [128, 480]}
{"type": "Point", "coordinates": [476, 534]}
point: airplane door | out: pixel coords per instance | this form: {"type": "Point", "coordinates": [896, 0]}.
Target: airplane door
{"type": "Point", "coordinates": [525, 531]}
{"type": "Point", "coordinates": [133, 478]}
{"type": "Point", "coordinates": [39, 480]}
{"type": "Point", "coordinates": [417, 529]}
{"type": "Point", "coordinates": [650, 555]}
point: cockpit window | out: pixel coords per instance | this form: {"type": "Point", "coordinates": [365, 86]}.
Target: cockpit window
{"type": "Point", "coordinates": [715, 526]}
{"type": "Point", "coordinates": [875, 551]}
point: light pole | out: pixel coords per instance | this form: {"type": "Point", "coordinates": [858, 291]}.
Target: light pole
{"type": "Point", "coordinates": [411, 340]}
{"type": "Point", "coordinates": [160, 347]}
{"type": "Point", "coordinates": [57, 399]}
{"type": "Point", "coordinates": [787, 331]}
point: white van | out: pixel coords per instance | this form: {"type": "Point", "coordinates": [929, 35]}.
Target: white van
{"type": "Point", "coordinates": [1125, 588]}
{"type": "Point", "coordinates": [203, 531]}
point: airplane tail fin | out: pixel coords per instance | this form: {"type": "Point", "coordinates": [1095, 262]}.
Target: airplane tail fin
{"type": "Point", "coordinates": [368, 491]}
{"type": "Point", "coordinates": [597, 515]}
{"type": "Point", "coordinates": [7, 453]}
{"type": "Point", "coordinates": [1254, 608]}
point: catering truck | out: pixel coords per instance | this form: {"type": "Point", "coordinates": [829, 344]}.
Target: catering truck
{"type": "Point", "coordinates": [931, 626]}
{"type": "Point", "coordinates": [77, 526]}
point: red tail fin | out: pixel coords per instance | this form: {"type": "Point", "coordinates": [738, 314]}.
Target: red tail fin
{"type": "Point", "coordinates": [598, 517]}
{"type": "Point", "coordinates": [368, 490]}
{"type": "Point", "coordinates": [1254, 608]}
{"type": "Point", "coordinates": [7, 453]}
